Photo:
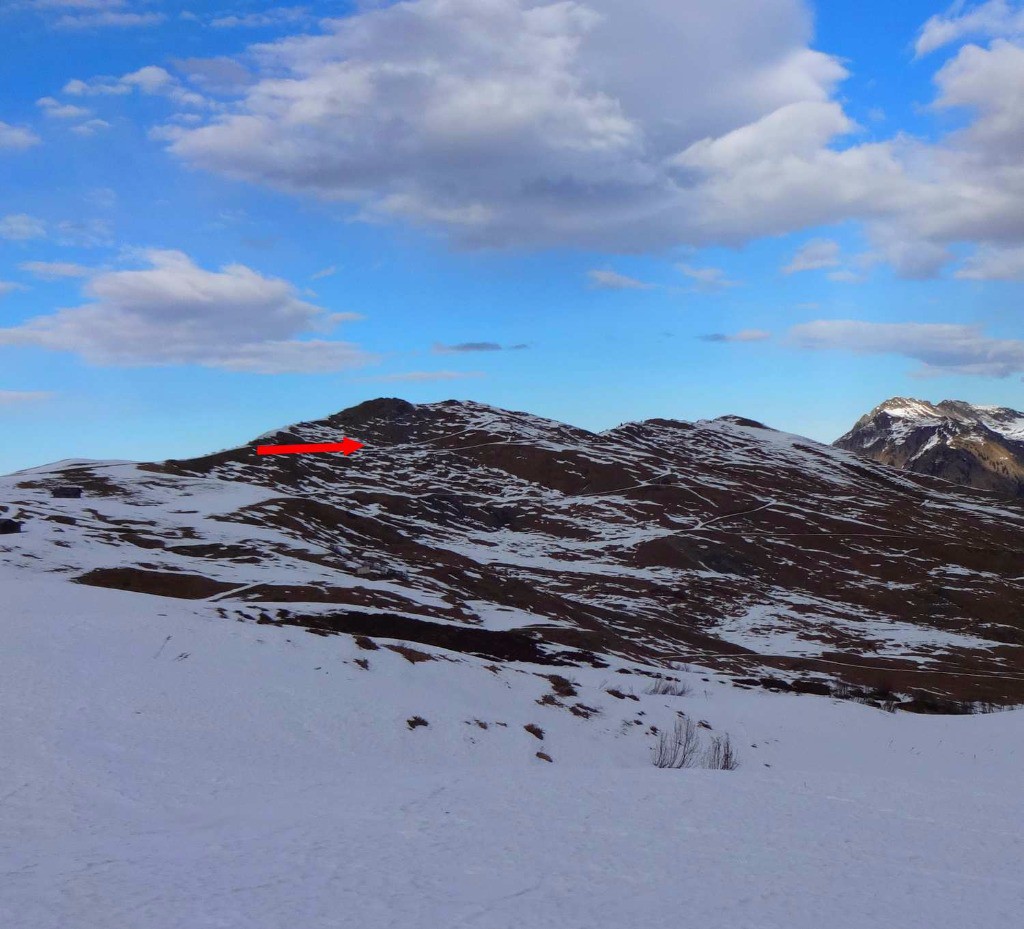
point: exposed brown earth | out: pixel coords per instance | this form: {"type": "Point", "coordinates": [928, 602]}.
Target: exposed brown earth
{"type": "Point", "coordinates": [723, 543]}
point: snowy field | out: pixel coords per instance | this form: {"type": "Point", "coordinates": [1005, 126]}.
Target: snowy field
{"type": "Point", "coordinates": [163, 768]}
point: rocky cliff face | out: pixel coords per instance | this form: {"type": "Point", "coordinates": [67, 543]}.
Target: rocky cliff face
{"type": "Point", "coordinates": [499, 533]}
{"type": "Point", "coordinates": [978, 446]}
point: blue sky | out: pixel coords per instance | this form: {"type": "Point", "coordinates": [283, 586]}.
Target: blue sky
{"type": "Point", "coordinates": [217, 219]}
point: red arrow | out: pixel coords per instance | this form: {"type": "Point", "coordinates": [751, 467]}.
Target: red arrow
{"type": "Point", "coordinates": [345, 446]}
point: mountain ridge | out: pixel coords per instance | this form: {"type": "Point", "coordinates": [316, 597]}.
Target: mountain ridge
{"type": "Point", "coordinates": [764, 555]}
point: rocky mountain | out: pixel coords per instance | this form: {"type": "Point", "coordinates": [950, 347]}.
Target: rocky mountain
{"type": "Point", "coordinates": [979, 446]}
{"type": "Point", "coordinates": [765, 556]}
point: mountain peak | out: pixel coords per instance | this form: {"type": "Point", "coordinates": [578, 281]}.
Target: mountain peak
{"type": "Point", "coordinates": [906, 407]}
{"type": "Point", "coordinates": [980, 446]}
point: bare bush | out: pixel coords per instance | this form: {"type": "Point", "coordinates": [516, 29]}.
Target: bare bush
{"type": "Point", "coordinates": [669, 688]}
{"type": "Point", "coordinates": [720, 755]}
{"type": "Point", "coordinates": [679, 748]}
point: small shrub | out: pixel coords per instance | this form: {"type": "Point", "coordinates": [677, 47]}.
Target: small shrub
{"type": "Point", "coordinates": [416, 721]}
{"type": "Point", "coordinates": [366, 643]}
{"type": "Point", "coordinates": [562, 686]}
{"type": "Point", "coordinates": [412, 655]}
{"type": "Point", "coordinates": [720, 755]}
{"type": "Point", "coordinates": [669, 688]}
{"type": "Point", "coordinates": [544, 756]}
{"type": "Point", "coordinates": [678, 748]}
{"type": "Point", "coordinates": [535, 731]}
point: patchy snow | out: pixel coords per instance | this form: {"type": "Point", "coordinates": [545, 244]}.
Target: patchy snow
{"type": "Point", "coordinates": [818, 626]}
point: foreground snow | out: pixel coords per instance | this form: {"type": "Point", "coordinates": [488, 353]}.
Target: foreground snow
{"type": "Point", "coordinates": [163, 768]}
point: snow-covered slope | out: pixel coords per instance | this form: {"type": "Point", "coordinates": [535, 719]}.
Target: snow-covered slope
{"type": "Point", "coordinates": [979, 446]}
{"type": "Point", "coordinates": [423, 686]}
{"type": "Point", "coordinates": [165, 769]}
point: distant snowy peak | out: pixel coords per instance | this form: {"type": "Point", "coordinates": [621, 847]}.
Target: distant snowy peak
{"type": "Point", "coordinates": [980, 446]}
{"type": "Point", "coordinates": [907, 408]}
{"type": "Point", "coordinates": [1000, 419]}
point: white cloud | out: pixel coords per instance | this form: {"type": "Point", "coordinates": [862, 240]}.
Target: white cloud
{"type": "Point", "coordinates": [84, 233]}
{"type": "Point", "coordinates": [994, 264]}
{"type": "Point", "coordinates": [612, 280]}
{"type": "Point", "coordinates": [813, 256]}
{"type": "Point", "coordinates": [150, 80]}
{"type": "Point", "coordinates": [98, 14]}
{"type": "Point", "coordinates": [18, 397]}
{"type": "Point", "coordinates": [942, 348]}
{"type": "Point", "coordinates": [744, 335]}
{"type": "Point", "coordinates": [534, 123]}
{"type": "Point", "coordinates": [16, 138]}
{"type": "Point", "coordinates": [93, 14]}
{"type": "Point", "coordinates": [441, 348]}
{"type": "Point", "coordinates": [175, 312]}
{"type": "Point", "coordinates": [96, 86]}
{"type": "Point", "coordinates": [993, 19]}
{"type": "Point", "coordinates": [90, 127]}
{"type": "Point", "coordinates": [275, 16]}
{"type": "Point", "coordinates": [54, 270]}
{"type": "Point", "coordinates": [511, 122]}
{"type": "Point", "coordinates": [20, 227]}
{"type": "Point", "coordinates": [845, 276]}
{"type": "Point", "coordinates": [219, 74]}
{"type": "Point", "coordinates": [709, 279]}
{"type": "Point", "coordinates": [324, 272]}
{"type": "Point", "coordinates": [8, 287]}
{"type": "Point", "coordinates": [57, 110]}
{"type": "Point", "coordinates": [421, 376]}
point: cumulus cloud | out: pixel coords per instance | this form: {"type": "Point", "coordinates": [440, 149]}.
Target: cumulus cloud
{"type": "Point", "coordinates": [175, 312]}
{"type": "Point", "coordinates": [993, 19]}
{"type": "Point", "coordinates": [612, 280]}
{"type": "Point", "coordinates": [744, 335]}
{"type": "Point", "coordinates": [813, 256]}
{"type": "Point", "coordinates": [8, 287]}
{"type": "Point", "coordinates": [994, 264]}
{"type": "Point", "coordinates": [442, 349]}
{"type": "Point", "coordinates": [942, 348]}
{"type": "Point", "coordinates": [513, 122]}
{"type": "Point", "coordinates": [20, 227]}
{"type": "Point", "coordinates": [16, 138]}
{"type": "Point", "coordinates": [11, 398]}
{"type": "Point", "coordinates": [535, 123]}
{"type": "Point", "coordinates": [708, 279]}
{"type": "Point", "coordinates": [54, 270]}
